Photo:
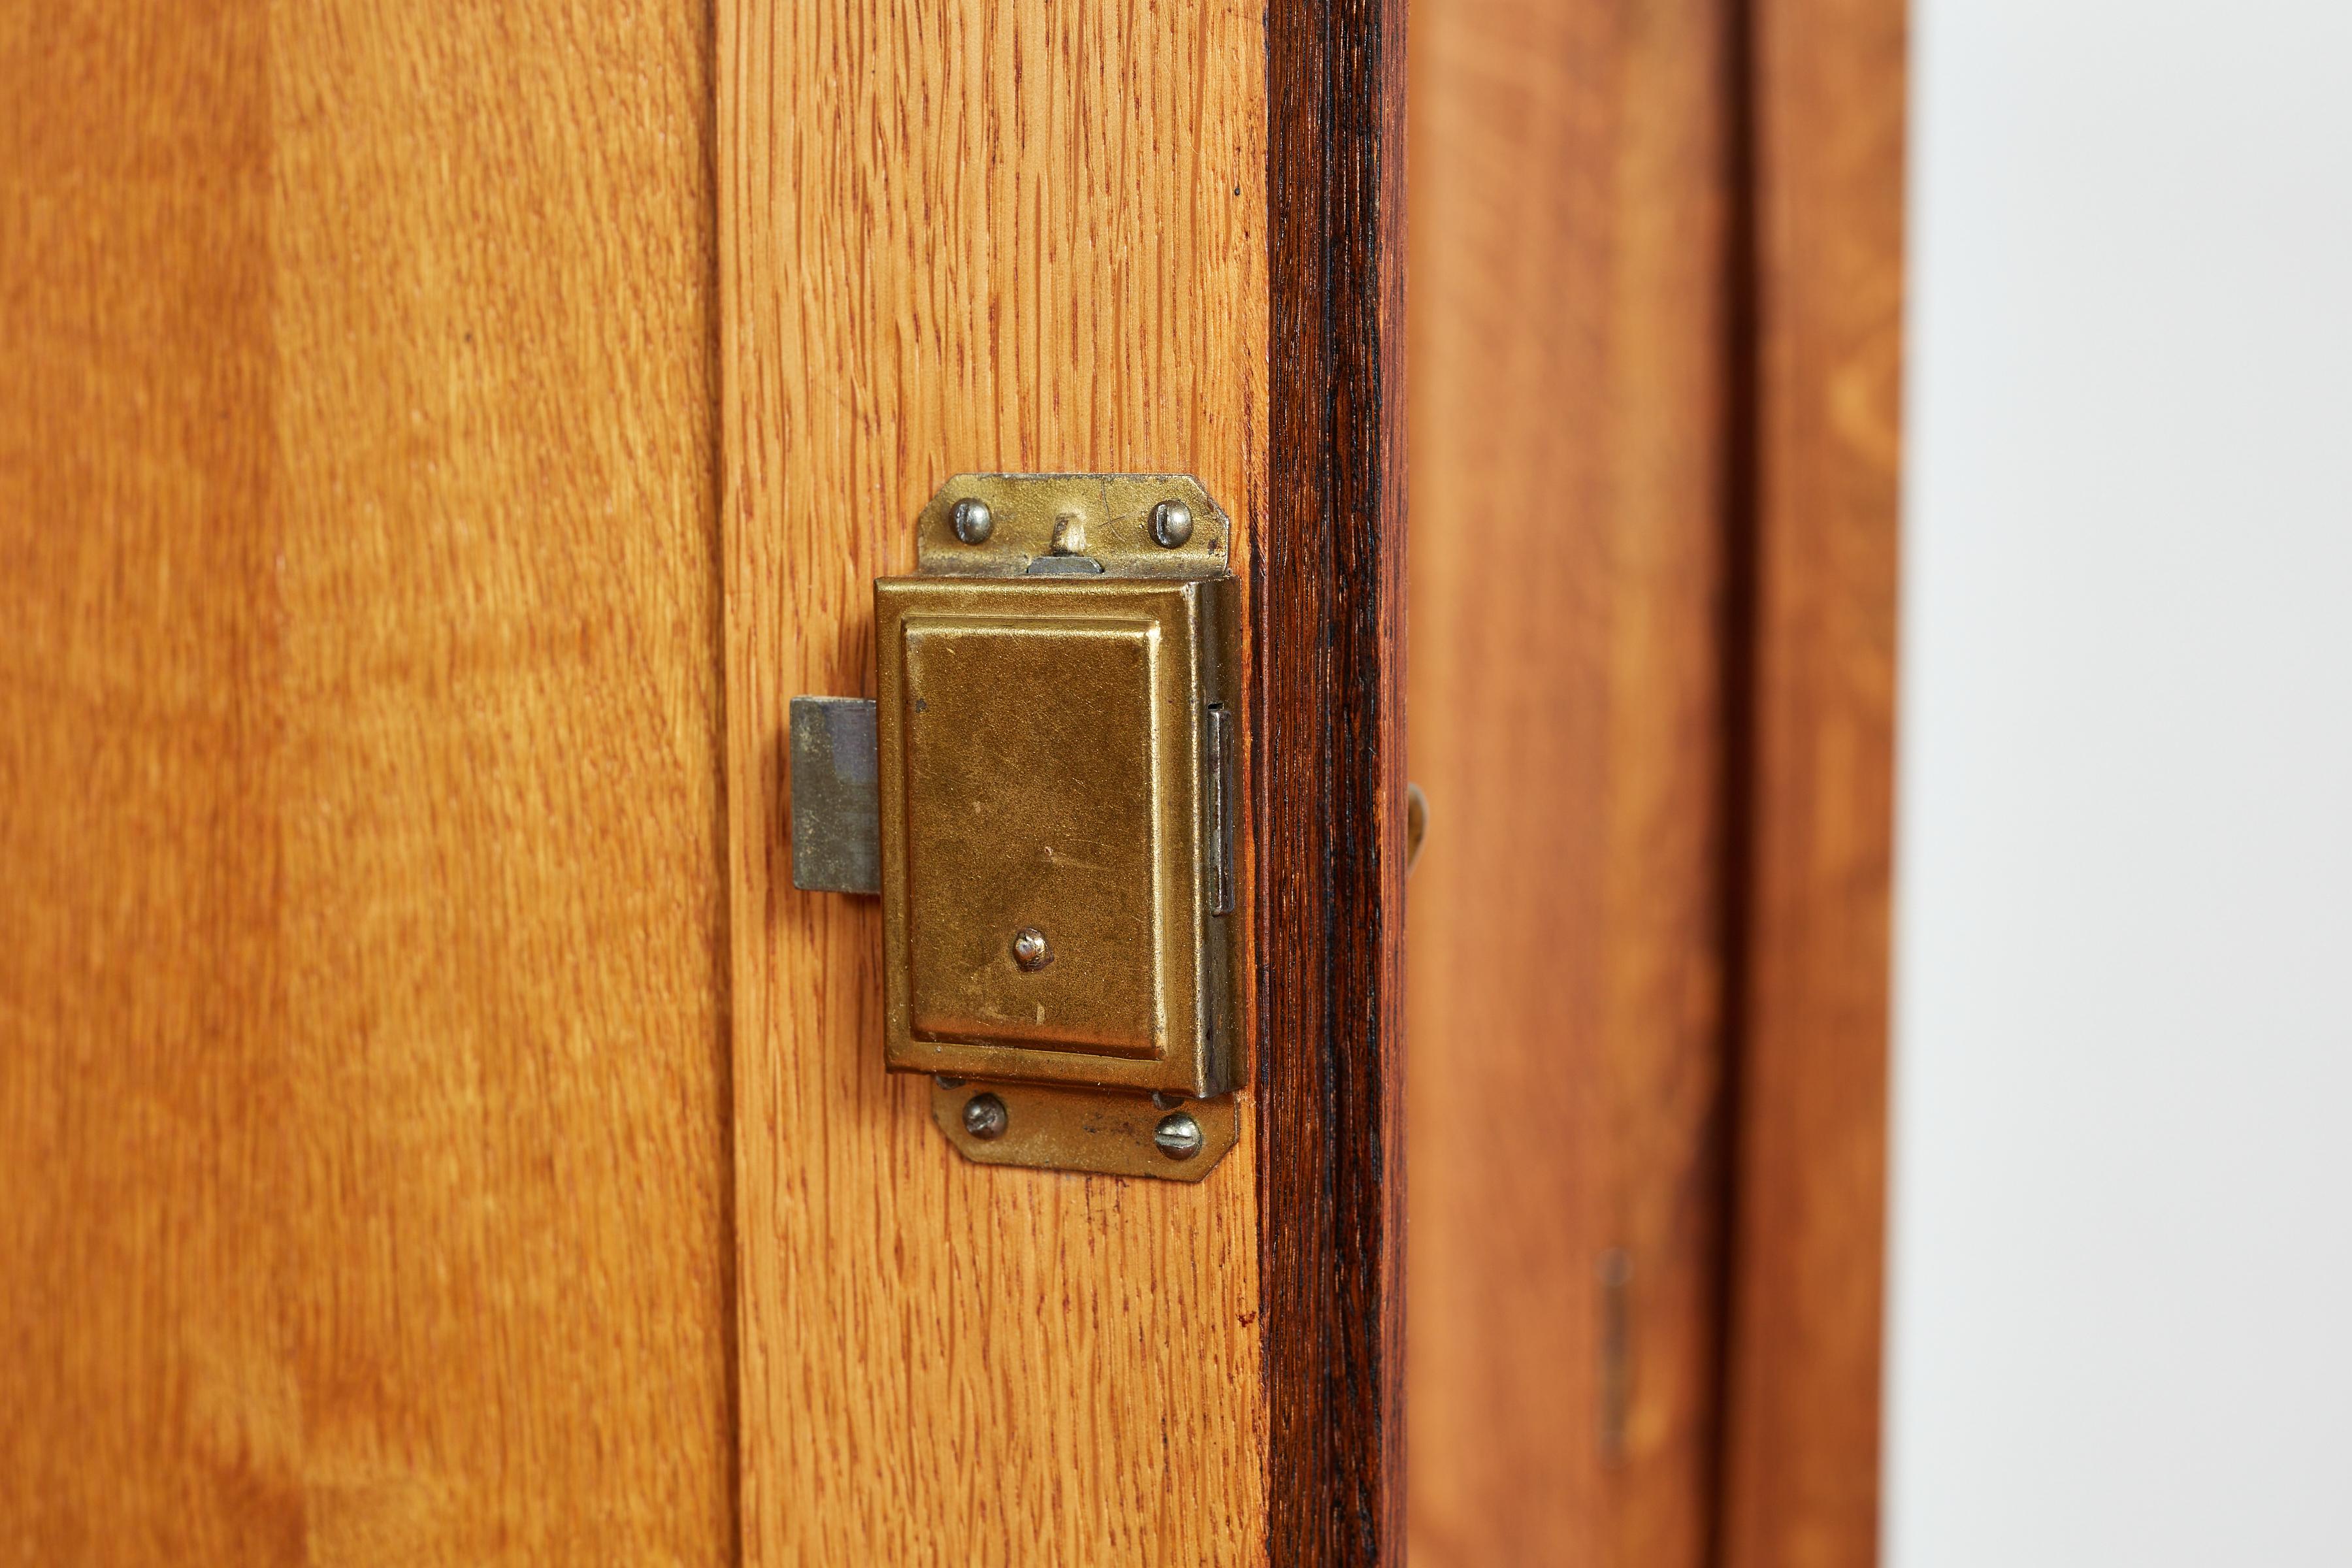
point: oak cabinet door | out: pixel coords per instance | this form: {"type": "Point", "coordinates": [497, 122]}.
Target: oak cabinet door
{"type": "Point", "coordinates": [437, 445]}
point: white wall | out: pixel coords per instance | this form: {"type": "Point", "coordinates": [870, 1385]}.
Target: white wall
{"type": "Point", "coordinates": [2121, 1308]}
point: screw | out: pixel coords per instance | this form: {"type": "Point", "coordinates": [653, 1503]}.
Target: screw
{"type": "Point", "coordinates": [1179, 1136]}
{"type": "Point", "coordinates": [973, 521]}
{"type": "Point", "coordinates": [944, 1082]}
{"type": "Point", "coordinates": [1029, 949]}
{"type": "Point", "coordinates": [1172, 523]}
{"type": "Point", "coordinates": [984, 1117]}
{"type": "Point", "coordinates": [1166, 1101]}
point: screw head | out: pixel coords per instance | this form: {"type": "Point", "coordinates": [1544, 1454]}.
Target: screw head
{"type": "Point", "coordinates": [1178, 1136]}
{"type": "Point", "coordinates": [973, 521]}
{"type": "Point", "coordinates": [1172, 523]}
{"type": "Point", "coordinates": [1030, 950]}
{"type": "Point", "coordinates": [985, 1115]}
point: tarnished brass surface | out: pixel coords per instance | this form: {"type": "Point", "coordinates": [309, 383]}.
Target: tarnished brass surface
{"type": "Point", "coordinates": [1084, 1129]}
{"type": "Point", "coordinates": [1057, 768]}
{"type": "Point", "coordinates": [1029, 744]}
{"type": "Point", "coordinates": [1043, 768]}
{"type": "Point", "coordinates": [1059, 521]}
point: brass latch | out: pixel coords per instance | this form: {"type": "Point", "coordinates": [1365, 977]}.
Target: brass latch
{"type": "Point", "coordinates": [1043, 796]}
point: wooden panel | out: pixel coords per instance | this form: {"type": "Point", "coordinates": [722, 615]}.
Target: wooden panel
{"type": "Point", "coordinates": [146, 1248]}
{"type": "Point", "coordinates": [360, 987]}
{"type": "Point", "coordinates": [1802, 1459]}
{"type": "Point", "coordinates": [499, 751]}
{"type": "Point", "coordinates": [1330, 722]}
{"type": "Point", "coordinates": [1571, 433]}
{"type": "Point", "coordinates": [955, 236]}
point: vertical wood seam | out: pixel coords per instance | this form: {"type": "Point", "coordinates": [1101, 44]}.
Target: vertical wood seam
{"type": "Point", "coordinates": [1330, 580]}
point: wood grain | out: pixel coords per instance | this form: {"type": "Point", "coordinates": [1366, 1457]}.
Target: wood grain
{"type": "Point", "coordinates": [958, 236]}
{"type": "Point", "coordinates": [1802, 1406]}
{"type": "Point", "coordinates": [145, 1246]}
{"type": "Point", "coordinates": [362, 1053]}
{"type": "Point", "coordinates": [1572, 431]}
{"type": "Point", "coordinates": [1330, 720]}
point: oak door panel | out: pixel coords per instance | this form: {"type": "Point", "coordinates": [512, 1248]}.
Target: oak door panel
{"type": "Point", "coordinates": [962, 238]}
{"type": "Point", "coordinates": [362, 1052]}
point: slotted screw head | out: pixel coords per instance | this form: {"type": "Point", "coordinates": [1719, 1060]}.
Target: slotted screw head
{"type": "Point", "coordinates": [973, 521]}
{"type": "Point", "coordinates": [985, 1115]}
{"type": "Point", "coordinates": [1172, 523]}
{"type": "Point", "coordinates": [1178, 1136]}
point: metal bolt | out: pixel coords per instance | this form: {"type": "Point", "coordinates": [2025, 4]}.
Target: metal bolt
{"type": "Point", "coordinates": [1172, 523]}
{"type": "Point", "coordinates": [1029, 949]}
{"type": "Point", "coordinates": [984, 1117]}
{"type": "Point", "coordinates": [1178, 1136]}
{"type": "Point", "coordinates": [973, 521]}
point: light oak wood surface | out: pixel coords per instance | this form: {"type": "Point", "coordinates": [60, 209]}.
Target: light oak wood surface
{"type": "Point", "coordinates": [958, 236]}
{"type": "Point", "coordinates": [362, 1052]}
{"type": "Point", "coordinates": [1574, 177]}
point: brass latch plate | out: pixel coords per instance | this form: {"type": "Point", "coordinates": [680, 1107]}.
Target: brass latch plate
{"type": "Point", "coordinates": [1045, 775]}
{"type": "Point", "coordinates": [1052, 788]}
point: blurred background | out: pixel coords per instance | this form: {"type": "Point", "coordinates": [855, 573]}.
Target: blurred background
{"type": "Point", "coordinates": [2121, 1261]}
{"type": "Point", "coordinates": [1881, 670]}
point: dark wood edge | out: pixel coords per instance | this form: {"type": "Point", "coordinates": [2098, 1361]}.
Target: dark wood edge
{"type": "Point", "coordinates": [1329, 597]}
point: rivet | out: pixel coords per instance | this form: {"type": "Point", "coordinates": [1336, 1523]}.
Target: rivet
{"type": "Point", "coordinates": [1172, 523]}
{"type": "Point", "coordinates": [1178, 1136]}
{"type": "Point", "coordinates": [1029, 949]}
{"type": "Point", "coordinates": [973, 521]}
{"type": "Point", "coordinates": [984, 1117]}
{"type": "Point", "coordinates": [1070, 535]}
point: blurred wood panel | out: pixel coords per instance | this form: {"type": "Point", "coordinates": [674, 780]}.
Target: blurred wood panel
{"type": "Point", "coordinates": [1572, 420]}
{"type": "Point", "coordinates": [1801, 1455]}
{"type": "Point", "coordinates": [962, 237]}
{"type": "Point", "coordinates": [362, 1052]}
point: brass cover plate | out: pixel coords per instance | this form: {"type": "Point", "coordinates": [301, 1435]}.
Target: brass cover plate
{"type": "Point", "coordinates": [1084, 1129]}
{"type": "Point", "coordinates": [1046, 769]}
{"type": "Point", "coordinates": [1040, 521]}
